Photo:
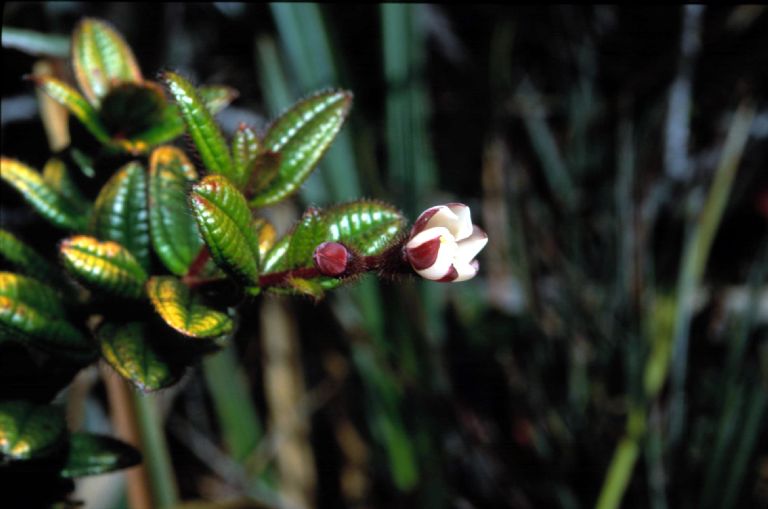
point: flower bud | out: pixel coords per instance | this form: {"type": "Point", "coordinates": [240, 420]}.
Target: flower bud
{"type": "Point", "coordinates": [331, 258]}
{"type": "Point", "coordinates": [443, 244]}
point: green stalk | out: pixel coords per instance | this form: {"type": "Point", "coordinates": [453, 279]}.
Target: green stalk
{"type": "Point", "coordinates": [544, 144]}
{"type": "Point", "coordinates": [237, 417]}
{"type": "Point", "coordinates": [745, 449]}
{"type": "Point", "coordinates": [658, 363]}
{"type": "Point", "coordinates": [623, 462]}
{"type": "Point", "coordinates": [619, 473]}
{"type": "Point", "coordinates": [305, 37]}
{"type": "Point", "coordinates": [155, 450]}
{"type": "Point", "coordinates": [695, 258]}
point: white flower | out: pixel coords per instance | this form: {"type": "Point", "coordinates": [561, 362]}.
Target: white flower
{"type": "Point", "coordinates": [443, 244]}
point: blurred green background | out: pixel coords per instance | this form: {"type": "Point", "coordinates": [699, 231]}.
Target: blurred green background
{"type": "Point", "coordinates": [613, 350]}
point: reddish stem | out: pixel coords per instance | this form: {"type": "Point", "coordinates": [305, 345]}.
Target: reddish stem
{"type": "Point", "coordinates": [282, 277]}
{"type": "Point", "coordinates": [198, 263]}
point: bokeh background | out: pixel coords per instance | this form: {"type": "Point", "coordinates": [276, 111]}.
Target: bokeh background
{"type": "Point", "coordinates": [613, 349]}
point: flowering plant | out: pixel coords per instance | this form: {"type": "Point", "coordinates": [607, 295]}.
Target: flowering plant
{"type": "Point", "coordinates": [159, 262]}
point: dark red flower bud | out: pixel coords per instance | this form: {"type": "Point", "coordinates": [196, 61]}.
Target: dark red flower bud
{"type": "Point", "coordinates": [331, 258]}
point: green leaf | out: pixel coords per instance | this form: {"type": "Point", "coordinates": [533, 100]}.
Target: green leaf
{"type": "Point", "coordinates": [263, 172]}
{"type": "Point", "coordinates": [55, 174]}
{"type": "Point", "coordinates": [101, 58]}
{"type": "Point", "coordinates": [224, 220]}
{"type": "Point", "coordinates": [36, 43]}
{"type": "Point", "coordinates": [301, 136]}
{"type": "Point", "coordinates": [25, 259]}
{"type": "Point", "coordinates": [168, 127]}
{"type": "Point", "coordinates": [91, 454]}
{"type": "Point", "coordinates": [128, 349]}
{"type": "Point", "coordinates": [367, 227]}
{"type": "Point", "coordinates": [175, 236]}
{"type": "Point", "coordinates": [308, 287]}
{"type": "Point", "coordinates": [75, 103]}
{"type": "Point", "coordinates": [130, 109]}
{"type": "Point", "coordinates": [120, 212]}
{"type": "Point", "coordinates": [42, 197]}
{"type": "Point", "coordinates": [245, 148]}
{"type": "Point", "coordinates": [32, 314]}
{"type": "Point", "coordinates": [274, 258]}
{"type": "Point", "coordinates": [83, 161]}
{"type": "Point", "coordinates": [201, 127]}
{"type": "Point", "coordinates": [184, 311]}
{"type": "Point", "coordinates": [217, 97]}
{"type": "Point", "coordinates": [105, 266]}
{"type": "Point", "coordinates": [29, 431]}
{"type": "Point", "coordinates": [307, 235]}
{"type": "Point", "coordinates": [32, 293]}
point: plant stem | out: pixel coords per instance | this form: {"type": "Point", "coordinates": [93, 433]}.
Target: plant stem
{"type": "Point", "coordinates": [238, 420]}
{"type": "Point", "coordinates": [198, 263]}
{"type": "Point", "coordinates": [124, 420]}
{"type": "Point", "coordinates": [155, 450]}
{"type": "Point", "coordinates": [623, 462]}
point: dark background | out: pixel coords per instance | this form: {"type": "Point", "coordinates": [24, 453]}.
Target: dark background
{"type": "Point", "coordinates": [511, 390]}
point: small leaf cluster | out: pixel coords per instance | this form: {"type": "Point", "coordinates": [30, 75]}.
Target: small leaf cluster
{"type": "Point", "coordinates": [153, 270]}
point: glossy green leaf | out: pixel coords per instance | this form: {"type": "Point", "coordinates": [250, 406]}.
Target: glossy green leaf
{"type": "Point", "coordinates": [30, 431]}
{"type": "Point", "coordinates": [101, 58]}
{"type": "Point", "coordinates": [32, 314]}
{"type": "Point", "coordinates": [25, 259]}
{"type": "Point", "coordinates": [175, 236]}
{"type": "Point", "coordinates": [130, 109]}
{"type": "Point", "coordinates": [120, 212]}
{"type": "Point", "coordinates": [36, 43]}
{"type": "Point", "coordinates": [75, 103]}
{"type": "Point", "coordinates": [367, 227]}
{"type": "Point", "coordinates": [129, 350]}
{"type": "Point", "coordinates": [217, 97]}
{"type": "Point", "coordinates": [301, 136]}
{"type": "Point", "coordinates": [41, 196]}
{"type": "Point", "coordinates": [184, 311]}
{"type": "Point", "coordinates": [245, 149]}
{"type": "Point", "coordinates": [263, 172]}
{"type": "Point", "coordinates": [55, 174]}
{"type": "Point", "coordinates": [307, 235]}
{"type": "Point", "coordinates": [224, 220]}
{"type": "Point", "coordinates": [201, 126]}
{"type": "Point", "coordinates": [170, 125]}
{"type": "Point", "coordinates": [274, 258]}
{"type": "Point", "coordinates": [32, 293]}
{"type": "Point", "coordinates": [91, 454]}
{"type": "Point", "coordinates": [105, 266]}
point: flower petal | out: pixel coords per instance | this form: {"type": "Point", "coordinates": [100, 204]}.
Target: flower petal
{"type": "Point", "coordinates": [469, 247]}
{"type": "Point", "coordinates": [465, 270]}
{"type": "Point", "coordinates": [432, 252]}
{"type": "Point", "coordinates": [464, 225]}
{"type": "Point", "coordinates": [421, 222]}
{"type": "Point", "coordinates": [450, 276]}
{"type": "Point", "coordinates": [446, 218]}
